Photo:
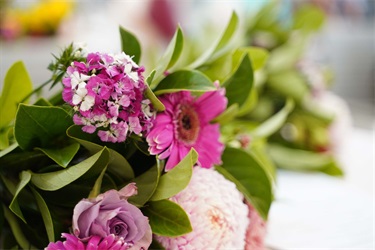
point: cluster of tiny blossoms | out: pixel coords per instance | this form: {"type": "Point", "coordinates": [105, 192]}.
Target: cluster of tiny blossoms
{"type": "Point", "coordinates": [106, 93]}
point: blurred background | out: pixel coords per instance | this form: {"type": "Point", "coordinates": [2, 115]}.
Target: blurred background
{"type": "Point", "coordinates": [33, 30]}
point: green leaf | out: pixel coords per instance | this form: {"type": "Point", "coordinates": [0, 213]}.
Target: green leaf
{"type": "Point", "coordinates": [171, 54]}
{"type": "Point", "coordinates": [260, 153]}
{"type": "Point", "coordinates": [190, 80]}
{"type": "Point", "coordinates": [289, 84]}
{"type": "Point", "coordinates": [4, 138]}
{"type": "Point", "coordinates": [118, 164]}
{"type": "Point", "coordinates": [258, 56]}
{"type": "Point", "coordinates": [14, 206]}
{"type": "Point", "coordinates": [239, 85]}
{"type": "Point", "coordinates": [55, 180]}
{"type": "Point", "coordinates": [220, 46]}
{"type": "Point", "coordinates": [177, 179]}
{"type": "Point", "coordinates": [250, 178]}
{"type": "Point", "coordinates": [39, 126]}
{"type": "Point", "coordinates": [274, 123]}
{"type": "Point", "coordinates": [130, 45]}
{"type": "Point", "coordinates": [46, 215]}
{"type": "Point", "coordinates": [299, 160]}
{"type": "Point", "coordinates": [95, 191]}
{"type": "Point", "coordinates": [156, 103]}
{"type": "Point", "coordinates": [8, 149]}
{"type": "Point", "coordinates": [308, 18]}
{"type": "Point", "coordinates": [16, 230]}
{"type": "Point", "coordinates": [61, 156]}
{"type": "Point", "coordinates": [167, 218]}
{"type": "Point", "coordinates": [146, 184]}
{"type": "Point", "coordinates": [17, 85]}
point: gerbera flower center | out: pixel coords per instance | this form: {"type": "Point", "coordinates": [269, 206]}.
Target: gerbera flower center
{"type": "Point", "coordinates": [187, 124]}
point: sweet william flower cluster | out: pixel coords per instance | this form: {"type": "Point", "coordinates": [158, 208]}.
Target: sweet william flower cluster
{"type": "Point", "coordinates": [106, 93]}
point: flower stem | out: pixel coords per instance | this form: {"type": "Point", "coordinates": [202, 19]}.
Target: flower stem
{"type": "Point", "coordinates": [36, 90]}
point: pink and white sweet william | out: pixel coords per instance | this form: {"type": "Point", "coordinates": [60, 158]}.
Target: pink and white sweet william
{"type": "Point", "coordinates": [107, 94]}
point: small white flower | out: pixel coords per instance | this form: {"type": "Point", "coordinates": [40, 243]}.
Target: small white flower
{"type": "Point", "coordinates": [132, 74]}
{"type": "Point", "coordinates": [88, 102]}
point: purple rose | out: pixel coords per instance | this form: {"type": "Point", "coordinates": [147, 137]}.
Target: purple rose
{"type": "Point", "coordinates": [111, 213]}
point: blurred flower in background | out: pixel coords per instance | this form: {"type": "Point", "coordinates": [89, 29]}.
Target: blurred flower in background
{"type": "Point", "coordinates": [39, 18]}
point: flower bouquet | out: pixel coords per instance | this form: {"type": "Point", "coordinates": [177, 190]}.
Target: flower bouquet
{"type": "Point", "coordinates": [128, 157]}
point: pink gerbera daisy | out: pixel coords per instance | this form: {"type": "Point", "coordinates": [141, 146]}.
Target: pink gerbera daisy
{"type": "Point", "coordinates": [185, 124]}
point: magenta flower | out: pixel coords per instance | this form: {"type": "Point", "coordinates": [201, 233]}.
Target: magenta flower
{"type": "Point", "coordinates": [110, 213]}
{"type": "Point", "coordinates": [217, 213]}
{"type": "Point", "coordinates": [111, 242]}
{"type": "Point", "coordinates": [185, 124]}
{"type": "Point", "coordinates": [106, 93]}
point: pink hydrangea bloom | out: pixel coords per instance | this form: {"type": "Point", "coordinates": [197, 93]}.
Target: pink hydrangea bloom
{"type": "Point", "coordinates": [216, 211]}
{"type": "Point", "coordinates": [106, 93]}
{"type": "Point", "coordinates": [185, 124]}
{"type": "Point", "coordinates": [256, 231]}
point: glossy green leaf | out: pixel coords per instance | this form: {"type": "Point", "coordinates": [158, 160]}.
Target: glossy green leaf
{"type": "Point", "coordinates": [55, 180]}
{"type": "Point", "coordinates": [184, 80]}
{"type": "Point", "coordinates": [297, 159]}
{"type": "Point", "coordinates": [61, 156]}
{"type": "Point", "coordinates": [95, 191]}
{"type": "Point", "coordinates": [171, 54]}
{"type": "Point", "coordinates": [16, 230]}
{"type": "Point", "coordinates": [118, 164]}
{"type": "Point", "coordinates": [258, 56]}
{"type": "Point", "coordinates": [17, 85]}
{"type": "Point", "coordinates": [221, 44]}
{"type": "Point", "coordinates": [177, 179]}
{"type": "Point", "coordinates": [260, 153]}
{"type": "Point", "coordinates": [14, 206]}
{"type": "Point", "coordinates": [156, 103]}
{"type": "Point", "coordinates": [275, 122]}
{"type": "Point", "coordinates": [250, 178]}
{"type": "Point", "coordinates": [130, 45]}
{"type": "Point", "coordinates": [46, 215]}
{"type": "Point", "coordinates": [146, 184]}
{"type": "Point", "coordinates": [38, 126]}
{"type": "Point", "coordinates": [289, 84]}
{"type": "Point", "coordinates": [250, 102]}
{"type": "Point", "coordinates": [239, 85]}
{"type": "Point", "coordinates": [167, 218]}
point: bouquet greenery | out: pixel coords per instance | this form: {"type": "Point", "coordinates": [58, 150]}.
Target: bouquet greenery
{"type": "Point", "coordinates": [181, 155]}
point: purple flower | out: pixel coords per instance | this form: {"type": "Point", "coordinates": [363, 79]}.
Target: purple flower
{"type": "Point", "coordinates": [111, 214]}
{"type": "Point", "coordinates": [185, 124]}
{"type": "Point", "coordinates": [107, 94]}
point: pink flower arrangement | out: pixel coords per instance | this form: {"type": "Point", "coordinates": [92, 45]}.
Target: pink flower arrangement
{"type": "Point", "coordinates": [216, 211]}
{"type": "Point", "coordinates": [185, 124]}
{"type": "Point", "coordinates": [106, 93]}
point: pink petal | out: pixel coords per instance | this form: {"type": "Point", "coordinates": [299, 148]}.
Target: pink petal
{"type": "Point", "coordinates": [211, 104]}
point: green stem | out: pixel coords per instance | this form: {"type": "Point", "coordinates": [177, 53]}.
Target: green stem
{"type": "Point", "coordinates": [36, 90]}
